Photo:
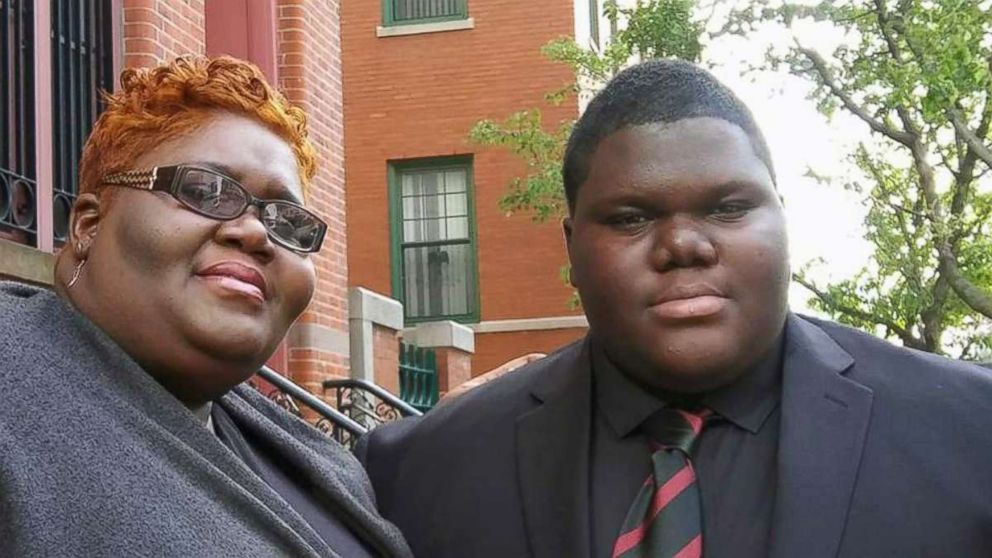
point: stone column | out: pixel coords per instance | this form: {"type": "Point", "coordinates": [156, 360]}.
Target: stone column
{"type": "Point", "coordinates": [374, 323]}
{"type": "Point", "coordinates": [454, 345]}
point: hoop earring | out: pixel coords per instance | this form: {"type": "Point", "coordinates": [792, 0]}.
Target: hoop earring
{"type": "Point", "coordinates": [76, 272]}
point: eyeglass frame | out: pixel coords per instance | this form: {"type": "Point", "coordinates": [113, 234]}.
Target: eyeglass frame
{"type": "Point", "coordinates": [148, 179]}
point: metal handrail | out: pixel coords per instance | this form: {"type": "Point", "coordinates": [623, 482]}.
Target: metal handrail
{"type": "Point", "coordinates": [404, 408]}
{"type": "Point", "coordinates": [326, 411]}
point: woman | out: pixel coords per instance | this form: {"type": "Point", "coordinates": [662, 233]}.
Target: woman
{"type": "Point", "coordinates": [125, 429]}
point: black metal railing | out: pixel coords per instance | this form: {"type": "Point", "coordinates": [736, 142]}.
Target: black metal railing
{"type": "Point", "coordinates": [288, 395]}
{"type": "Point", "coordinates": [414, 10]}
{"type": "Point", "coordinates": [82, 66]}
{"type": "Point", "coordinates": [17, 207]}
{"type": "Point", "coordinates": [418, 377]}
{"type": "Point", "coordinates": [18, 196]}
{"type": "Point", "coordinates": [366, 403]}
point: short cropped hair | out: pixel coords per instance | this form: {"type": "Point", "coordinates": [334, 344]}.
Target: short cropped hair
{"type": "Point", "coordinates": [653, 92]}
{"type": "Point", "coordinates": [162, 103]}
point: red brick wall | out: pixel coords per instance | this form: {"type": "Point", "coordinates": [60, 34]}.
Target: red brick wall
{"type": "Point", "coordinates": [386, 358]}
{"type": "Point", "coordinates": [309, 74]}
{"type": "Point", "coordinates": [454, 367]}
{"type": "Point", "coordinates": [158, 30]}
{"type": "Point", "coordinates": [494, 349]}
{"type": "Point", "coordinates": [418, 96]}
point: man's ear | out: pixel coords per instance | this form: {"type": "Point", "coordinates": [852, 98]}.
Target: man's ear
{"type": "Point", "coordinates": [83, 224]}
{"type": "Point", "coordinates": [566, 229]}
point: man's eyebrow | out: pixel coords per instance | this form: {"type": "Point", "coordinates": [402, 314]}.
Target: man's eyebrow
{"type": "Point", "coordinates": [732, 186]}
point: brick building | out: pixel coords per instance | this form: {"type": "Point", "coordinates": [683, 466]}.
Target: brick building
{"type": "Point", "coordinates": [50, 99]}
{"type": "Point", "coordinates": [423, 218]}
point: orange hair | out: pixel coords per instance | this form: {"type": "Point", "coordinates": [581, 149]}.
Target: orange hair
{"type": "Point", "coordinates": [164, 102]}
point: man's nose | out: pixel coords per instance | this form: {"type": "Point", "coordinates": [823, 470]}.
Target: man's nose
{"type": "Point", "coordinates": [681, 242]}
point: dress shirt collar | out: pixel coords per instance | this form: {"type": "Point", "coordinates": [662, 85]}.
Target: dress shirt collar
{"type": "Point", "coordinates": [747, 403]}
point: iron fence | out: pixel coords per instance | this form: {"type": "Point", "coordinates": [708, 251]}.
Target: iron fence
{"type": "Point", "coordinates": [82, 66]}
{"type": "Point", "coordinates": [366, 403]}
{"type": "Point", "coordinates": [18, 195]}
{"type": "Point", "coordinates": [418, 377]}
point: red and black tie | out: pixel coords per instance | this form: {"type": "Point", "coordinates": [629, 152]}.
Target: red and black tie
{"type": "Point", "coordinates": [665, 520]}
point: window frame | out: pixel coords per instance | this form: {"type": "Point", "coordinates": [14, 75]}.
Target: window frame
{"type": "Point", "coordinates": [395, 170]}
{"type": "Point", "coordinates": [389, 21]}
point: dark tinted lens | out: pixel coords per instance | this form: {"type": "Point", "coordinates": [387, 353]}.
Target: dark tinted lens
{"type": "Point", "coordinates": [211, 194]}
{"type": "Point", "coordinates": [293, 225]}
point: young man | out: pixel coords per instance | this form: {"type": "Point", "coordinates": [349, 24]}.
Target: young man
{"type": "Point", "coordinates": [792, 437]}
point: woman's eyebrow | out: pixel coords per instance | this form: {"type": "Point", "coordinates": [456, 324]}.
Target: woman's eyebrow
{"type": "Point", "coordinates": [218, 167]}
{"type": "Point", "coordinates": [283, 192]}
{"type": "Point", "coordinates": [277, 189]}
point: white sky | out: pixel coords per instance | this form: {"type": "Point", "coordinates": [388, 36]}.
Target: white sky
{"type": "Point", "coordinates": [825, 221]}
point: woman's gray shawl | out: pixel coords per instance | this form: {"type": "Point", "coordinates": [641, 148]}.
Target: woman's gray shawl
{"type": "Point", "coordinates": [97, 459]}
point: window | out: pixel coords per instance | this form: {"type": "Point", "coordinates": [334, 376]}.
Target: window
{"type": "Point", "coordinates": [18, 187]}
{"type": "Point", "coordinates": [433, 229]}
{"type": "Point", "coordinates": [594, 23]}
{"type": "Point", "coordinates": [406, 12]}
{"type": "Point", "coordinates": [82, 65]}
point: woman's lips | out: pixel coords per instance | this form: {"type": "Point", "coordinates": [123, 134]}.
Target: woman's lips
{"type": "Point", "coordinates": [234, 285]}
{"type": "Point", "coordinates": [691, 307]}
{"type": "Point", "coordinates": [236, 278]}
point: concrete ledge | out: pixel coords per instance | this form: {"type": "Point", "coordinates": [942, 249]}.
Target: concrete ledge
{"type": "Point", "coordinates": [364, 304]}
{"type": "Point", "coordinates": [446, 334]}
{"type": "Point", "coordinates": [24, 263]}
{"type": "Point", "coordinates": [321, 338]}
{"type": "Point", "coordinates": [420, 28]}
{"type": "Point", "coordinates": [530, 324]}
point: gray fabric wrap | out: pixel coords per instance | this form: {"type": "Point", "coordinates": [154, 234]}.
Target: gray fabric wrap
{"type": "Point", "coordinates": [97, 459]}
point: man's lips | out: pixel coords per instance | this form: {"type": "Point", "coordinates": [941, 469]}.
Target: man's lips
{"type": "Point", "coordinates": [689, 301]}
{"type": "Point", "coordinates": [237, 277]}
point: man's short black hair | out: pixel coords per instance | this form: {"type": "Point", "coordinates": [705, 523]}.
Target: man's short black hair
{"type": "Point", "coordinates": [656, 91]}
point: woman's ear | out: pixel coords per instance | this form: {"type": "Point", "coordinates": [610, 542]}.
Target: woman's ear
{"type": "Point", "coordinates": [83, 224]}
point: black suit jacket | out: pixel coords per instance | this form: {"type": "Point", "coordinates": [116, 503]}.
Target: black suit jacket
{"type": "Point", "coordinates": [883, 452]}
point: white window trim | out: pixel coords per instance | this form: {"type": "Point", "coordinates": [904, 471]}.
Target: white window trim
{"type": "Point", "coordinates": [421, 28]}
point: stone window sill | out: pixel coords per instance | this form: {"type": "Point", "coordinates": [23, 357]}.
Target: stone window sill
{"type": "Point", "coordinates": [421, 28]}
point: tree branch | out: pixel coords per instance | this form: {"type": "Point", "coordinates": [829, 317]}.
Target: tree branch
{"type": "Point", "coordinates": [828, 79]}
{"type": "Point", "coordinates": [916, 278]}
{"type": "Point", "coordinates": [885, 26]}
{"type": "Point", "coordinates": [904, 334]}
{"type": "Point", "coordinates": [969, 293]}
{"type": "Point", "coordinates": [975, 143]}
{"type": "Point", "coordinates": [972, 139]}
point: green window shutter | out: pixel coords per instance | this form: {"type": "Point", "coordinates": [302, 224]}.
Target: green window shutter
{"type": "Point", "coordinates": [408, 12]}
{"type": "Point", "coordinates": [432, 220]}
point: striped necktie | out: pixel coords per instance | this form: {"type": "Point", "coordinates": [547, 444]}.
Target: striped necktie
{"type": "Point", "coordinates": [665, 520]}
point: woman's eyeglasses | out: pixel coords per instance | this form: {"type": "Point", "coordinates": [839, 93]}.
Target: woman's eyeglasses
{"type": "Point", "coordinates": [211, 194]}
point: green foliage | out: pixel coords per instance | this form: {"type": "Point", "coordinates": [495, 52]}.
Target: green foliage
{"type": "Point", "coordinates": [909, 67]}
{"type": "Point", "coordinates": [540, 188]}
{"type": "Point", "coordinates": [908, 70]}
{"type": "Point", "coordinates": [650, 29]}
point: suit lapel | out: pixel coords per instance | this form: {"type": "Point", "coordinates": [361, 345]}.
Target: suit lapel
{"type": "Point", "coordinates": [553, 459]}
{"type": "Point", "coordinates": [824, 424]}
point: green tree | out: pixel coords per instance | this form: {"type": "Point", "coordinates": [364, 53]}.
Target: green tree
{"type": "Point", "coordinates": [650, 29]}
{"type": "Point", "coordinates": [918, 74]}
